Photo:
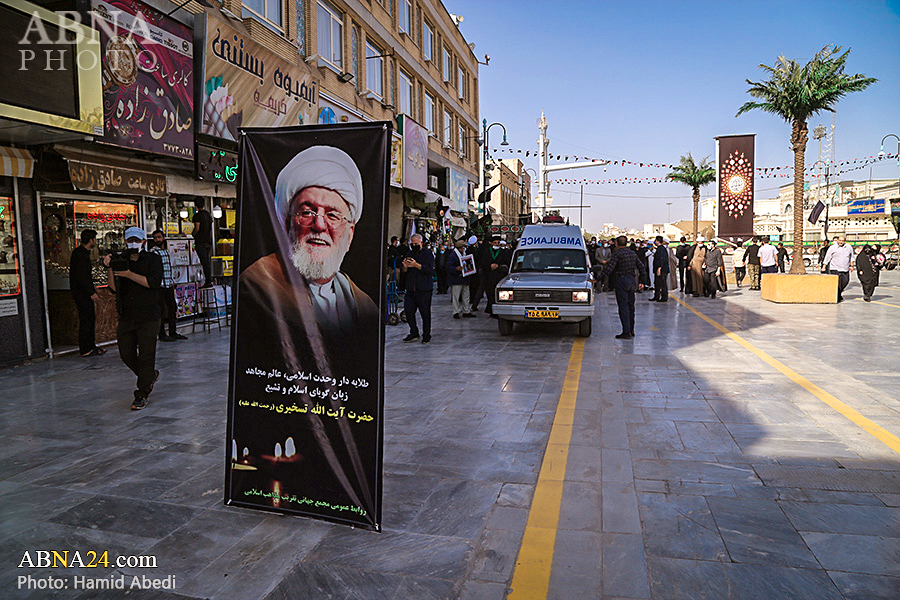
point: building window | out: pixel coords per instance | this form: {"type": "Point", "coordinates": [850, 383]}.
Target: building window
{"type": "Point", "coordinates": [461, 82]}
{"type": "Point", "coordinates": [448, 129]}
{"type": "Point", "coordinates": [406, 94]}
{"type": "Point", "coordinates": [427, 41]}
{"type": "Point", "coordinates": [330, 26]}
{"type": "Point", "coordinates": [446, 71]}
{"type": "Point", "coordinates": [405, 16]}
{"type": "Point", "coordinates": [462, 141]}
{"type": "Point", "coordinates": [269, 11]}
{"type": "Point", "coordinates": [375, 69]}
{"type": "Point", "coordinates": [428, 110]}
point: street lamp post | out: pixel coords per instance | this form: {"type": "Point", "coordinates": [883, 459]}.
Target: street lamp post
{"type": "Point", "coordinates": [827, 198]}
{"type": "Point", "coordinates": [881, 155]}
{"type": "Point", "coordinates": [486, 169]}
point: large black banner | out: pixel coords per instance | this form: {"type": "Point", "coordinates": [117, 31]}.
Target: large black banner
{"type": "Point", "coordinates": [735, 162]}
{"type": "Point", "coordinates": [306, 382]}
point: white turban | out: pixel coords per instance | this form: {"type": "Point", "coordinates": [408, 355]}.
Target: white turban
{"type": "Point", "coordinates": [320, 166]}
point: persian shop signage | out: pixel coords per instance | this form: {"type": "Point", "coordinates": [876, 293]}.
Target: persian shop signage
{"type": "Point", "coordinates": [247, 85]}
{"type": "Point", "coordinates": [115, 180]}
{"type": "Point", "coordinates": [866, 207]}
{"type": "Point", "coordinates": [216, 164]}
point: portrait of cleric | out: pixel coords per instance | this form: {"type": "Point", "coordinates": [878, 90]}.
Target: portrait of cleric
{"type": "Point", "coordinates": [320, 314]}
{"type": "Point", "coordinates": [310, 240]}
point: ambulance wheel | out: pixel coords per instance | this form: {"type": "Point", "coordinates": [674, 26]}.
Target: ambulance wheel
{"type": "Point", "coordinates": [506, 326]}
{"type": "Point", "coordinates": [584, 328]}
{"type": "Point", "coordinates": [393, 319]}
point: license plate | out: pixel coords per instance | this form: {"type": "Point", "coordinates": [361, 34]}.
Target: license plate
{"type": "Point", "coordinates": [541, 314]}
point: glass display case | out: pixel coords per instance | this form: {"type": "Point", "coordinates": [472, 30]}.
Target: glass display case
{"type": "Point", "coordinates": [9, 259]}
{"type": "Point", "coordinates": [64, 220]}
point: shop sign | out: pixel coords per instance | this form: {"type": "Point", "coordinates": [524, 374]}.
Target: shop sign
{"type": "Point", "coordinates": [148, 78]}
{"type": "Point", "coordinates": [247, 85]}
{"type": "Point", "coordinates": [895, 206]}
{"type": "Point", "coordinates": [49, 68]}
{"type": "Point", "coordinates": [459, 187]}
{"type": "Point", "coordinates": [868, 206]}
{"type": "Point", "coordinates": [216, 164]}
{"type": "Point", "coordinates": [116, 180]}
{"type": "Point", "coordinates": [396, 179]}
{"type": "Point", "coordinates": [415, 155]}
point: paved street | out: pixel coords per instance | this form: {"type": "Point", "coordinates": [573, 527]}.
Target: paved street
{"type": "Point", "coordinates": [734, 449]}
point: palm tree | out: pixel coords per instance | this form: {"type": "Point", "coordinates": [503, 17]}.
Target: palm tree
{"type": "Point", "coordinates": [796, 93]}
{"type": "Point", "coordinates": [695, 176]}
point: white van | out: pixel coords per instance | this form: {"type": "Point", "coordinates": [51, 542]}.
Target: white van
{"type": "Point", "coordinates": [549, 280]}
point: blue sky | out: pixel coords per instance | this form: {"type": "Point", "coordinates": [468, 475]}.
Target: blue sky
{"type": "Point", "coordinates": [650, 81]}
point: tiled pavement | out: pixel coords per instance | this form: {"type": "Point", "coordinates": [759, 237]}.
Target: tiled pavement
{"type": "Point", "coordinates": [695, 469]}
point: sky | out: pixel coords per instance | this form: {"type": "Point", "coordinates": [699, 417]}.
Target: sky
{"type": "Point", "coordinates": [651, 81]}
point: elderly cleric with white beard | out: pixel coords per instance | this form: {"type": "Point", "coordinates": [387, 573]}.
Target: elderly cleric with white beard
{"type": "Point", "coordinates": [318, 200]}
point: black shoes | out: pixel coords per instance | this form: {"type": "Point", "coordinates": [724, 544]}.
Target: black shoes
{"type": "Point", "coordinates": [140, 401]}
{"type": "Point", "coordinates": [456, 316]}
{"type": "Point", "coordinates": [178, 336]}
{"type": "Point", "coordinates": [411, 337]}
{"type": "Point", "coordinates": [868, 298]}
{"type": "Point", "coordinates": [468, 316]}
{"type": "Point", "coordinates": [624, 336]}
{"type": "Point", "coordinates": [166, 338]}
{"type": "Point", "coordinates": [426, 339]}
{"type": "Point", "coordinates": [155, 379]}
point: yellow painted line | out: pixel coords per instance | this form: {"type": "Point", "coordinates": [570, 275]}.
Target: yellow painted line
{"type": "Point", "coordinates": [531, 577]}
{"type": "Point", "coordinates": [880, 433]}
{"type": "Point", "coordinates": [881, 303]}
{"type": "Point", "coordinates": [653, 329]}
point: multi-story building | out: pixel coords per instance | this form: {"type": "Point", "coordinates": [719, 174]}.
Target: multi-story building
{"type": "Point", "coordinates": [107, 144]}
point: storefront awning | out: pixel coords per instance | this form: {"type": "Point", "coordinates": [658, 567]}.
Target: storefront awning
{"type": "Point", "coordinates": [16, 162]}
{"type": "Point", "coordinates": [113, 176]}
{"type": "Point", "coordinates": [457, 221]}
{"type": "Point", "coordinates": [432, 197]}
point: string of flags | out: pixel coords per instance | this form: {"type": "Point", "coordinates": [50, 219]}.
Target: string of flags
{"type": "Point", "coordinates": [764, 172]}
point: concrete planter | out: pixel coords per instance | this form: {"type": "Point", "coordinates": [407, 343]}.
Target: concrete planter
{"type": "Point", "coordinates": [799, 289]}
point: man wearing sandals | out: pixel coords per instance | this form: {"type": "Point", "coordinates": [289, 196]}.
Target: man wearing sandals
{"type": "Point", "coordinates": [137, 304]}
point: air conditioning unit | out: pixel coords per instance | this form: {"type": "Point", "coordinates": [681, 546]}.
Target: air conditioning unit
{"type": "Point", "coordinates": [433, 182]}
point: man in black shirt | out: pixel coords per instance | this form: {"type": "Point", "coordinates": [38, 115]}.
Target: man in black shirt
{"type": "Point", "coordinates": [681, 253]}
{"type": "Point", "coordinates": [81, 282]}
{"type": "Point", "coordinates": [419, 268]}
{"type": "Point", "coordinates": [137, 303]}
{"type": "Point", "coordinates": [623, 264]}
{"type": "Point", "coordinates": [753, 266]}
{"type": "Point", "coordinates": [203, 241]}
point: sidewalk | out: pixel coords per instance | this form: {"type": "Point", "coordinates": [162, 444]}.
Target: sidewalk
{"type": "Point", "coordinates": [694, 468]}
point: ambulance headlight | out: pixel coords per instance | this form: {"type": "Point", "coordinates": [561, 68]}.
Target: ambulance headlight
{"type": "Point", "coordinates": [582, 296]}
{"type": "Point", "coordinates": [504, 295]}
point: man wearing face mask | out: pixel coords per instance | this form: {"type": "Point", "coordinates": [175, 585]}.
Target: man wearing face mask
{"type": "Point", "coordinates": [137, 303]}
{"type": "Point", "coordinates": [419, 268]}
{"type": "Point", "coordinates": [495, 266]}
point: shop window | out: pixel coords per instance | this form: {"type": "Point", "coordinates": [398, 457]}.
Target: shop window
{"type": "Point", "coordinates": [63, 223]}
{"type": "Point", "coordinates": [9, 258]}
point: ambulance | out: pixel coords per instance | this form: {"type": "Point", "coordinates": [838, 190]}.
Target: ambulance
{"type": "Point", "coordinates": [549, 280]}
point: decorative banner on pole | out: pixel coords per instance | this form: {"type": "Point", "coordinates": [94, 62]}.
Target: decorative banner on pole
{"type": "Point", "coordinates": [734, 184]}
{"type": "Point", "coordinates": [306, 386]}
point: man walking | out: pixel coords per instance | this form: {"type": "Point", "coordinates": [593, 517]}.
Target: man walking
{"type": "Point", "coordinates": [459, 285]}
{"type": "Point", "coordinates": [782, 257]}
{"type": "Point", "coordinates": [752, 259]}
{"type": "Point", "coordinates": [602, 255]}
{"type": "Point", "coordinates": [838, 261]}
{"type": "Point", "coordinates": [623, 263]}
{"type": "Point", "coordinates": [738, 264]}
{"type": "Point", "coordinates": [768, 257]}
{"type": "Point", "coordinates": [661, 270]}
{"type": "Point", "coordinates": [681, 253]}
{"type": "Point", "coordinates": [494, 266]}
{"type": "Point", "coordinates": [713, 264]}
{"type": "Point", "coordinates": [167, 291]}
{"type": "Point", "coordinates": [136, 286]}
{"type": "Point", "coordinates": [419, 268]}
{"type": "Point", "coordinates": [81, 283]}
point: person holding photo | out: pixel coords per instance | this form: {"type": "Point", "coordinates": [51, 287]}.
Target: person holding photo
{"type": "Point", "coordinates": [459, 283]}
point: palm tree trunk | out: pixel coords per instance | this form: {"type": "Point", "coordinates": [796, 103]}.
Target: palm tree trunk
{"type": "Point", "coordinates": [799, 137]}
{"type": "Point", "coordinates": [696, 210]}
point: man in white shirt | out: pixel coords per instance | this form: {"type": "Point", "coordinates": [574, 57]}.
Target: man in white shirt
{"type": "Point", "coordinates": [768, 257]}
{"type": "Point", "coordinates": [838, 261]}
{"type": "Point", "coordinates": [737, 262]}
